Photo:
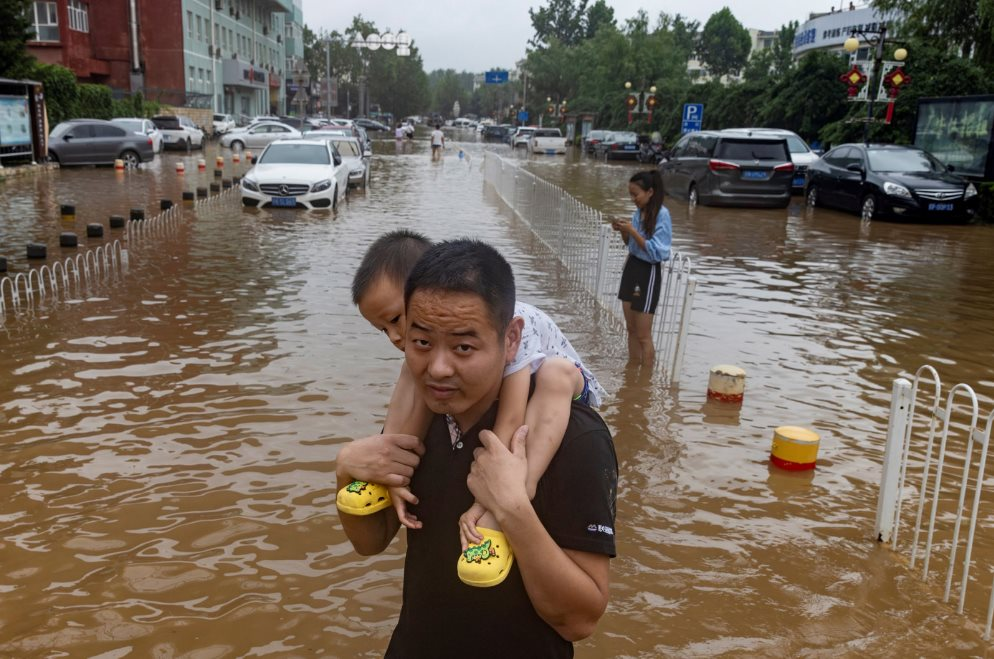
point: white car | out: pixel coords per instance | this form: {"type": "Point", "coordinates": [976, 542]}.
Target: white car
{"type": "Point", "coordinates": [353, 158]}
{"type": "Point", "coordinates": [547, 140]}
{"type": "Point", "coordinates": [522, 136]}
{"type": "Point", "coordinates": [179, 132]}
{"type": "Point", "coordinates": [223, 123]}
{"type": "Point", "coordinates": [259, 135]}
{"type": "Point", "coordinates": [800, 153]}
{"type": "Point", "coordinates": [142, 127]}
{"type": "Point", "coordinates": [292, 173]}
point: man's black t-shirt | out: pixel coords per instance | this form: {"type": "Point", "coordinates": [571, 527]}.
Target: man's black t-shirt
{"type": "Point", "coordinates": [575, 501]}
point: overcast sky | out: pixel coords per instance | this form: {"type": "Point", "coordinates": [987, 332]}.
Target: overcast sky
{"type": "Point", "coordinates": [474, 36]}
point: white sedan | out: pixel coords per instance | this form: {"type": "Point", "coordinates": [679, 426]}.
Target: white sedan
{"type": "Point", "coordinates": [143, 127]}
{"type": "Point", "coordinates": [293, 173]}
{"type": "Point", "coordinates": [259, 135]}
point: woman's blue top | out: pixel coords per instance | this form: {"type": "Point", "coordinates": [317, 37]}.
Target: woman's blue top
{"type": "Point", "coordinates": [657, 248]}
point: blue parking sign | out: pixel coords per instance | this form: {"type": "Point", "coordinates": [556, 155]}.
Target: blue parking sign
{"type": "Point", "coordinates": [693, 117]}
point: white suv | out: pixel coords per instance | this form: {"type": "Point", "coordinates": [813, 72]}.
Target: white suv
{"type": "Point", "coordinates": [179, 132]}
{"type": "Point", "coordinates": [800, 153]}
{"type": "Point", "coordinates": [223, 123]}
{"type": "Point", "coordinates": [522, 136]}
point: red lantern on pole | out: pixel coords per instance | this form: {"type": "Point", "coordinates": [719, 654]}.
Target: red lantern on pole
{"type": "Point", "coordinates": [650, 105]}
{"type": "Point", "coordinates": [855, 78]}
{"type": "Point", "coordinates": [631, 102]}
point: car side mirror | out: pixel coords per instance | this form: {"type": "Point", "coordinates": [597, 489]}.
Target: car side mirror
{"type": "Point", "coordinates": [855, 167]}
{"type": "Point", "coordinates": [951, 168]}
{"type": "Point", "coordinates": [254, 159]}
{"type": "Point", "coordinates": [66, 138]}
{"type": "Point", "coordinates": [338, 160]}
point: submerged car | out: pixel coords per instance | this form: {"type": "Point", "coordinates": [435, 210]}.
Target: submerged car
{"type": "Point", "coordinates": [801, 154]}
{"type": "Point", "coordinates": [259, 135]}
{"type": "Point", "coordinates": [142, 127]}
{"type": "Point", "coordinates": [179, 132]}
{"type": "Point", "coordinates": [715, 168]}
{"type": "Point", "coordinates": [353, 157]}
{"type": "Point", "coordinates": [296, 173]}
{"type": "Point", "coordinates": [888, 180]}
{"type": "Point", "coordinates": [593, 138]}
{"type": "Point", "coordinates": [617, 145]}
{"type": "Point", "coordinates": [522, 135]}
{"type": "Point", "coordinates": [97, 142]}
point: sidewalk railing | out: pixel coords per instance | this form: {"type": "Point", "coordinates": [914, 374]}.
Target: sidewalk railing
{"type": "Point", "coordinates": [917, 454]}
{"type": "Point", "coordinates": [593, 256]}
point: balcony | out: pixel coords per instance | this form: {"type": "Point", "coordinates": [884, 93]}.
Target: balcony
{"type": "Point", "coordinates": [285, 6]}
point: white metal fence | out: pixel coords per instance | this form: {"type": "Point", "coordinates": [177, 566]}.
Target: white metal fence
{"type": "Point", "coordinates": [72, 276]}
{"type": "Point", "coordinates": [917, 453]}
{"type": "Point", "coordinates": [593, 255]}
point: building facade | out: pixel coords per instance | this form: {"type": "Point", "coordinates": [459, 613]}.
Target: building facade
{"type": "Point", "coordinates": [228, 55]}
{"type": "Point", "coordinates": [829, 31]}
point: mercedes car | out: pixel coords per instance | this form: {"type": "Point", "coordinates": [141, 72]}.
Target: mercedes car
{"type": "Point", "coordinates": [296, 174]}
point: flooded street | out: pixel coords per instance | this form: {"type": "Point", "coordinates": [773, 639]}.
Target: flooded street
{"type": "Point", "coordinates": [168, 449]}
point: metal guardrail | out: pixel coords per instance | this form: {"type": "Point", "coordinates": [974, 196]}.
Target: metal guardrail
{"type": "Point", "coordinates": [579, 238]}
{"type": "Point", "coordinates": [909, 403]}
{"type": "Point", "coordinates": [74, 275]}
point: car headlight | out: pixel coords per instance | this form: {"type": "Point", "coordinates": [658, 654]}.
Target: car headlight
{"type": "Point", "coordinates": [895, 190]}
{"type": "Point", "coordinates": [249, 184]}
{"type": "Point", "coordinates": [971, 191]}
{"type": "Point", "coordinates": [321, 185]}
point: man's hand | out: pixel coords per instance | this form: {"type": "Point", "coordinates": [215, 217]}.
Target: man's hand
{"type": "Point", "coordinates": [388, 460]}
{"type": "Point", "coordinates": [498, 476]}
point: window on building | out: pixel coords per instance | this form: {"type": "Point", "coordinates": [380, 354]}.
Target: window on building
{"type": "Point", "coordinates": [200, 29]}
{"type": "Point", "coordinates": [190, 86]}
{"type": "Point", "coordinates": [189, 24]}
{"type": "Point", "coordinates": [79, 16]}
{"type": "Point", "coordinates": [46, 20]}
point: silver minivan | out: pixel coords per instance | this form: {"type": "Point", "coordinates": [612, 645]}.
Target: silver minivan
{"type": "Point", "coordinates": [715, 168]}
{"type": "Point", "coordinates": [801, 154]}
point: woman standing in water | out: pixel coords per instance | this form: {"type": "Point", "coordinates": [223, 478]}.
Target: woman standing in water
{"type": "Point", "coordinates": [648, 235]}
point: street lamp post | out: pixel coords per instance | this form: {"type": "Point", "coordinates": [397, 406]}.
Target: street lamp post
{"type": "Point", "coordinates": [643, 102]}
{"type": "Point", "coordinates": [387, 41]}
{"type": "Point", "coordinates": [882, 71]}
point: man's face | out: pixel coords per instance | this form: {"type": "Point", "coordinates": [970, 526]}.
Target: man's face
{"type": "Point", "coordinates": [383, 306]}
{"type": "Point", "coordinates": [455, 354]}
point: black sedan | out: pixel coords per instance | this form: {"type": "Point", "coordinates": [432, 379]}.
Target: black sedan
{"type": "Point", "coordinates": [618, 144]}
{"type": "Point", "coordinates": [372, 125]}
{"type": "Point", "coordinates": [887, 180]}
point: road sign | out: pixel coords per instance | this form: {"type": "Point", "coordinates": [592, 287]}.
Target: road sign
{"type": "Point", "coordinates": [693, 117]}
{"type": "Point", "coordinates": [523, 116]}
{"type": "Point", "coordinates": [495, 77]}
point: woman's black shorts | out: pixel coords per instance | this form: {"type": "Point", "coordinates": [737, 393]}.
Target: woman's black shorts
{"type": "Point", "coordinates": [640, 281]}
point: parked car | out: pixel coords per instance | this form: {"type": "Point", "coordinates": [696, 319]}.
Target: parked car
{"type": "Point", "coordinates": [593, 138]}
{"type": "Point", "coordinates": [259, 135]}
{"type": "Point", "coordinates": [352, 156]}
{"type": "Point", "coordinates": [888, 180]}
{"type": "Point", "coordinates": [262, 117]}
{"type": "Point", "coordinates": [223, 123]}
{"type": "Point", "coordinates": [142, 127]}
{"type": "Point", "coordinates": [292, 173]}
{"type": "Point", "coordinates": [293, 122]}
{"type": "Point", "coordinates": [727, 169]}
{"type": "Point", "coordinates": [372, 125]}
{"type": "Point", "coordinates": [617, 145]}
{"type": "Point", "coordinates": [179, 132]}
{"type": "Point", "coordinates": [97, 142]}
{"type": "Point", "coordinates": [801, 154]}
{"type": "Point", "coordinates": [494, 133]}
{"type": "Point", "coordinates": [520, 137]}
{"type": "Point", "coordinates": [548, 141]}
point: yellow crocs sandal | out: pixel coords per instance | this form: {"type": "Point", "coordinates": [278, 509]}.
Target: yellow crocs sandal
{"type": "Point", "coordinates": [487, 563]}
{"type": "Point", "coordinates": [362, 498]}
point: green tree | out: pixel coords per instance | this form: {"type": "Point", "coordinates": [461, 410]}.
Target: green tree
{"type": "Point", "coordinates": [15, 31]}
{"type": "Point", "coordinates": [964, 25]}
{"type": "Point", "coordinates": [447, 87]}
{"type": "Point", "coordinates": [724, 44]}
{"type": "Point", "coordinates": [599, 15]}
{"type": "Point", "coordinates": [561, 20]}
{"type": "Point", "coordinates": [61, 91]}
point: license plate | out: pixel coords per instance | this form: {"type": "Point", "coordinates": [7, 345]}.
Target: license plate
{"type": "Point", "coordinates": [798, 181]}
{"type": "Point", "coordinates": [755, 174]}
{"type": "Point", "coordinates": [940, 207]}
{"type": "Point", "coordinates": [550, 152]}
{"type": "Point", "coordinates": [630, 147]}
{"type": "Point", "coordinates": [285, 202]}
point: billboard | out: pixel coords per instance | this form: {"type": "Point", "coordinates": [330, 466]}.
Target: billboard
{"type": "Point", "coordinates": [957, 130]}
{"type": "Point", "coordinates": [15, 121]}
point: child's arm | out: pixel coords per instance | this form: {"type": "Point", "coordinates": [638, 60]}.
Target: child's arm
{"type": "Point", "coordinates": [407, 415]}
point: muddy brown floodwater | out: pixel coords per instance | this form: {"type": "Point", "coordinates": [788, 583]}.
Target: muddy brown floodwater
{"type": "Point", "coordinates": [168, 445]}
